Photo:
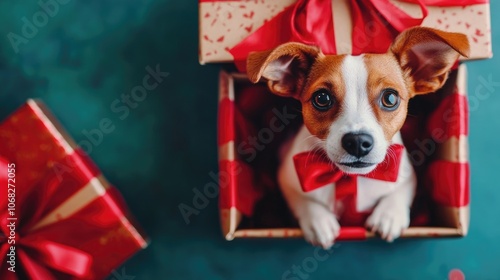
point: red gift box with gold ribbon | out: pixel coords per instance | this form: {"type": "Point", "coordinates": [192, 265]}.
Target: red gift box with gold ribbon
{"type": "Point", "coordinates": [230, 29]}
{"type": "Point", "coordinates": [253, 123]}
{"type": "Point", "coordinates": [61, 219]}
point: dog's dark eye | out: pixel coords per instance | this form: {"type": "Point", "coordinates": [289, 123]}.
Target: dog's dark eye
{"type": "Point", "coordinates": [322, 100]}
{"type": "Point", "coordinates": [389, 99]}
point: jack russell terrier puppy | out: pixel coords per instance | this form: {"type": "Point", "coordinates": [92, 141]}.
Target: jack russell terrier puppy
{"type": "Point", "coordinates": [353, 108]}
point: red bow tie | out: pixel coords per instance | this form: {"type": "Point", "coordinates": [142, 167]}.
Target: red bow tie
{"type": "Point", "coordinates": [315, 170]}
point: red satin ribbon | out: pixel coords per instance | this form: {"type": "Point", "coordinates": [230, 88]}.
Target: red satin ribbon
{"type": "Point", "coordinates": [398, 18]}
{"type": "Point", "coordinates": [40, 255]}
{"type": "Point", "coordinates": [311, 22]}
{"type": "Point", "coordinates": [450, 182]}
{"type": "Point", "coordinates": [450, 119]}
{"type": "Point", "coordinates": [375, 24]}
{"type": "Point", "coordinates": [315, 171]}
{"type": "Point", "coordinates": [352, 233]}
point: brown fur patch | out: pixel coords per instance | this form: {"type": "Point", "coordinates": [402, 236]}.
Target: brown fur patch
{"type": "Point", "coordinates": [384, 72]}
{"type": "Point", "coordinates": [428, 54]}
{"type": "Point", "coordinates": [283, 81]}
{"type": "Point", "coordinates": [326, 73]}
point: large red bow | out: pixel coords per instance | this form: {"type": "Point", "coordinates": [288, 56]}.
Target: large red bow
{"type": "Point", "coordinates": [316, 171]}
{"type": "Point", "coordinates": [39, 254]}
{"type": "Point", "coordinates": [375, 24]}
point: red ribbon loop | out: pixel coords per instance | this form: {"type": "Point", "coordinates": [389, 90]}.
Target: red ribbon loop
{"type": "Point", "coordinates": [59, 257]}
{"type": "Point", "coordinates": [38, 254]}
{"type": "Point", "coordinates": [311, 22]}
{"type": "Point", "coordinates": [315, 170]}
{"type": "Point", "coordinates": [398, 18]}
{"type": "Point", "coordinates": [375, 25]}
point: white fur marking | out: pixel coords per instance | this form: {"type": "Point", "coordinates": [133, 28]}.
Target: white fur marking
{"type": "Point", "coordinates": [356, 116]}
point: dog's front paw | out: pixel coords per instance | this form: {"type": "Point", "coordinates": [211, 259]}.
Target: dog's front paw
{"type": "Point", "coordinates": [389, 219]}
{"type": "Point", "coordinates": [319, 225]}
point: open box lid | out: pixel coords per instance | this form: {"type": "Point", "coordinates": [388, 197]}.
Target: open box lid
{"type": "Point", "coordinates": [226, 24]}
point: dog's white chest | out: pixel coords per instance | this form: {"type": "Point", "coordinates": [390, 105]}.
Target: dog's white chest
{"type": "Point", "coordinates": [370, 191]}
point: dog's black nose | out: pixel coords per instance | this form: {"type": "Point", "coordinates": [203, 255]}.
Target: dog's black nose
{"type": "Point", "coordinates": [357, 144]}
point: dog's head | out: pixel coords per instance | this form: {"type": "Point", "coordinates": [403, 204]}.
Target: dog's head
{"type": "Point", "coordinates": [356, 104]}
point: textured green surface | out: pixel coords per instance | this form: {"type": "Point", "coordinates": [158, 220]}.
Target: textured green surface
{"type": "Point", "coordinates": [91, 52]}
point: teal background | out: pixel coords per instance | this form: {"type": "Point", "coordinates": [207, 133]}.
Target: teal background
{"type": "Point", "coordinates": [91, 52]}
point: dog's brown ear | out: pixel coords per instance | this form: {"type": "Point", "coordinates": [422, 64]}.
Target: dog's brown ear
{"type": "Point", "coordinates": [426, 56]}
{"type": "Point", "coordinates": [285, 67]}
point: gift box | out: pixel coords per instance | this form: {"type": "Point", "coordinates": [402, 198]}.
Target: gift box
{"type": "Point", "coordinates": [253, 123]}
{"type": "Point", "coordinates": [230, 29]}
{"type": "Point", "coordinates": [63, 220]}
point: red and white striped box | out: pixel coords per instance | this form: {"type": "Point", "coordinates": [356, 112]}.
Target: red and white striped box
{"type": "Point", "coordinates": [252, 123]}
